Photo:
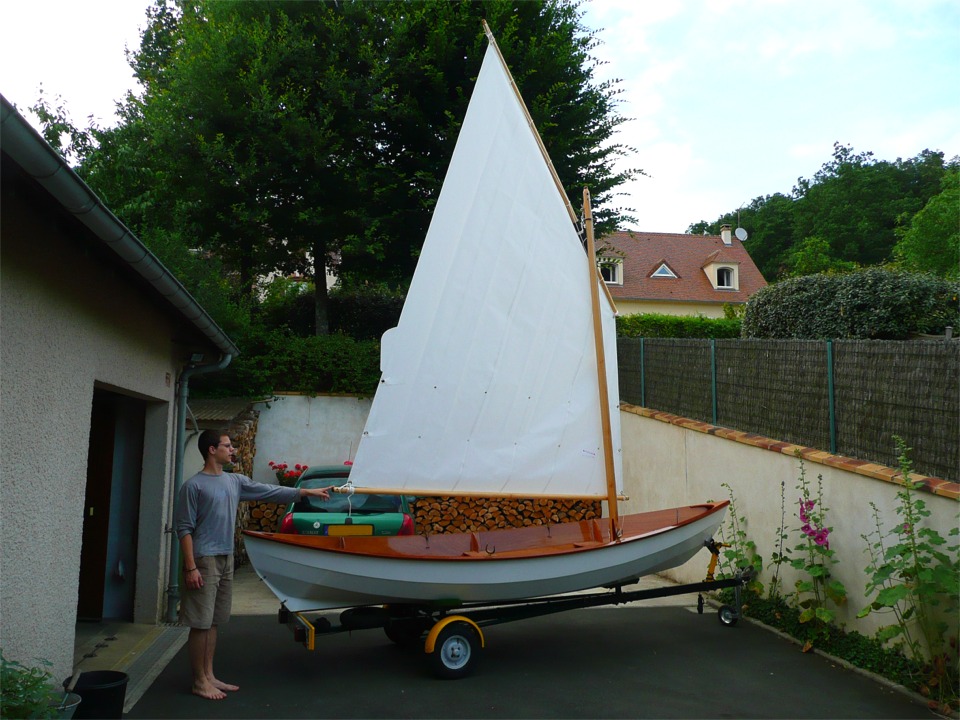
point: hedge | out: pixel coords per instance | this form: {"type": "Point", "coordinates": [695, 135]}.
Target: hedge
{"type": "Point", "coordinates": [870, 304]}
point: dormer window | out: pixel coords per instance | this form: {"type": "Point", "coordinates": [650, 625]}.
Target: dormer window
{"type": "Point", "coordinates": [664, 271]}
{"type": "Point", "coordinates": [611, 270]}
{"type": "Point", "coordinates": [723, 275]}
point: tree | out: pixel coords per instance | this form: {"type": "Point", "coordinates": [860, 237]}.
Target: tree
{"type": "Point", "coordinates": [931, 240]}
{"type": "Point", "coordinates": [296, 137]}
{"type": "Point", "coordinates": [854, 204]}
{"type": "Point", "coordinates": [812, 256]}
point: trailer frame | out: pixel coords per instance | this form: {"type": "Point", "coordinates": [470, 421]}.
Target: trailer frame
{"type": "Point", "coordinates": [454, 635]}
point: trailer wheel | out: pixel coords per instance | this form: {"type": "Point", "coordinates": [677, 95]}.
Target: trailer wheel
{"type": "Point", "coordinates": [456, 651]}
{"type": "Point", "coordinates": [728, 615]}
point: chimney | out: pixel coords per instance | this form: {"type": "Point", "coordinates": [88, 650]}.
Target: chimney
{"type": "Point", "coordinates": [725, 235]}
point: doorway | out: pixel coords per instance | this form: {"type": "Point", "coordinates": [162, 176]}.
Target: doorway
{"type": "Point", "coordinates": [111, 512]}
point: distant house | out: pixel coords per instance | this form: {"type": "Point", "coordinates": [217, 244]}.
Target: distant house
{"type": "Point", "coordinates": [97, 342]}
{"type": "Point", "coordinates": [676, 273]}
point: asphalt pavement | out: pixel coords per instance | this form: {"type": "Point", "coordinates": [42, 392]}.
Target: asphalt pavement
{"type": "Point", "coordinates": [653, 659]}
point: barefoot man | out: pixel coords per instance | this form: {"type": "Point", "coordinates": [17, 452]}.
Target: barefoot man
{"type": "Point", "coordinates": [205, 519]}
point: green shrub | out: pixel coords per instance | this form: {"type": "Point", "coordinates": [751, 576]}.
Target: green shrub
{"type": "Point", "coordinates": [365, 313]}
{"type": "Point", "coordinates": [654, 325]}
{"type": "Point", "coordinates": [27, 692]}
{"type": "Point", "coordinates": [361, 313]}
{"type": "Point", "coordinates": [291, 304]}
{"type": "Point", "coordinates": [279, 360]}
{"type": "Point", "coordinates": [870, 304]}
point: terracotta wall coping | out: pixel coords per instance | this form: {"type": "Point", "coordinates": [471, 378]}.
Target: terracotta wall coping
{"type": "Point", "coordinates": [934, 485]}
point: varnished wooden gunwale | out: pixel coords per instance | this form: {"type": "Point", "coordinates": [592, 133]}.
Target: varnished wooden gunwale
{"type": "Point", "coordinates": [510, 543]}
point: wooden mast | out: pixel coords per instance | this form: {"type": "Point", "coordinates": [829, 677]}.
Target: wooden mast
{"type": "Point", "coordinates": [605, 424]}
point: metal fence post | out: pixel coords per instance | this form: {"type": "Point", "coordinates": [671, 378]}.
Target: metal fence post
{"type": "Point", "coordinates": [830, 400]}
{"type": "Point", "coordinates": [713, 376]}
{"type": "Point", "coordinates": [643, 379]}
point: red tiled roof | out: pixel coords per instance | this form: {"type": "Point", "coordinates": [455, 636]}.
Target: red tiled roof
{"type": "Point", "coordinates": [686, 255]}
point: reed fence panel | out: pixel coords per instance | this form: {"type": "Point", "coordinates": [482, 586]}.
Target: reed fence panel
{"type": "Point", "coordinates": [782, 389]}
{"type": "Point", "coordinates": [911, 390]}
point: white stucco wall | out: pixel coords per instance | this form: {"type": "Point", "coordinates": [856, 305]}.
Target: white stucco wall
{"type": "Point", "coordinates": [69, 324]}
{"type": "Point", "coordinates": [666, 465]}
{"type": "Point", "coordinates": [323, 430]}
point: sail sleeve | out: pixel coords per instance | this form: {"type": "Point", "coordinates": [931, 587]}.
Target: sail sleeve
{"type": "Point", "coordinates": [489, 381]}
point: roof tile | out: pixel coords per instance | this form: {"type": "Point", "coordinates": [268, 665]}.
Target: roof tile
{"type": "Point", "coordinates": [686, 255]}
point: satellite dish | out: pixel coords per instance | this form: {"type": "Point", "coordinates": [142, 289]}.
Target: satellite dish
{"type": "Point", "coordinates": [741, 234]}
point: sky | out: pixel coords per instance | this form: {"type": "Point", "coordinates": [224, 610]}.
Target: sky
{"type": "Point", "coordinates": [727, 100]}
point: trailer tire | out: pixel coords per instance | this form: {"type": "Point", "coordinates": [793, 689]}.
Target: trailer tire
{"type": "Point", "coordinates": [456, 651]}
{"type": "Point", "coordinates": [728, 615]}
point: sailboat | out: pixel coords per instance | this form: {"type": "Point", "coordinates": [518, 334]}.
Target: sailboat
{"type": "Point", "coordinates": [500, 380]}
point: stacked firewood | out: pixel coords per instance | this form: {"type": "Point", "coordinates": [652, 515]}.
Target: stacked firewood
{"type": "Point", "coordinates": [263, 515]}
{"type": "Point", "coordinates": [243, 433]}
{"type": "Point", "coordinates": [435, 515]}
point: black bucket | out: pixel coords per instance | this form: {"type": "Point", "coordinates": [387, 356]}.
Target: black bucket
{"type": "Point", "coordinates": [101, 694]}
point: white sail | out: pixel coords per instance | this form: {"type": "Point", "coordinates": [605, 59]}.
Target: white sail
{"type": "Point", "coordinates": [490, 379]}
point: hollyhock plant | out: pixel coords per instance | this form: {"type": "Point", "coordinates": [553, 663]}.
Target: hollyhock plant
{"type": "Point", "coordinates": [812, 557]}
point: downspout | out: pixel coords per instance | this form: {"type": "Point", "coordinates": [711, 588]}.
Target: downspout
{"type": "Point", "coordinates": [183, 391]}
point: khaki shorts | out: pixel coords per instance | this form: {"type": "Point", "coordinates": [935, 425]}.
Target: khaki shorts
{"type": "Point", "coordinates": [210, 604]}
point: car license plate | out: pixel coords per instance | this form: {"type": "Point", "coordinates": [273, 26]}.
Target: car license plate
{"type": "Point", "coordinates": [342, 530]}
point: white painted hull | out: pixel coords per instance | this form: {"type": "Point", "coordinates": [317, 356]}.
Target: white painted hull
{"type": "Point", "coordinates": [305, 578]}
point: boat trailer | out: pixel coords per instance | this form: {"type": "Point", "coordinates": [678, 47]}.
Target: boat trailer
{"type": "Point", "coordinates": [453, 632]}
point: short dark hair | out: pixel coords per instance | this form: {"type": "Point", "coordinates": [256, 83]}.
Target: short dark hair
{"type": "Point", "coordinates": [208, 439]}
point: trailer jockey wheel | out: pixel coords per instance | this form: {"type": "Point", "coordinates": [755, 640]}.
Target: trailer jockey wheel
{"type": "Point", "coordinates": [456, 651]}
{"type": "Point", "coordinates": [728, 615]}
{"type": "Point", "coordinates": [700, 604]}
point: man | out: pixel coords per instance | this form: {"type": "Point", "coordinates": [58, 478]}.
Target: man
{"type": "Point", "coordinates": [205, 519]}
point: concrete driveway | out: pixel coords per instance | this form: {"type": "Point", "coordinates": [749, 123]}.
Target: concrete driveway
{"type": "Point", "coordinates": [657, 659]}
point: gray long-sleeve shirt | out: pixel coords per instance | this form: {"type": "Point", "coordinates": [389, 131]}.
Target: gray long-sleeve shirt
{"type": "Point", "coordinates": [207, 508]}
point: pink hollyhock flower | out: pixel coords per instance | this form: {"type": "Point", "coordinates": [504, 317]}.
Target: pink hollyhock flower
{"type": "Point", "coordinates": [821, 538]}
{"type": "Point", "coordinates": [807, 530]}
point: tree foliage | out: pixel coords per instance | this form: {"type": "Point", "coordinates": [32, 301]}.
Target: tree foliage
{"type": "Point", "coordinates": [930, 242]}
{"type": "Point", "coordinates": [848, 215]}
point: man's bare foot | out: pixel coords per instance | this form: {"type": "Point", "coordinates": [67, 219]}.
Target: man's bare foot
{"type": "Point", "coordinates": [220, 685]}
{"type": "Point", "coordinates": [208, 691]}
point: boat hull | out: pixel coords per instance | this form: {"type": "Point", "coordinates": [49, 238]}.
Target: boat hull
{"type": "Point", "coordinates": [316, 573]}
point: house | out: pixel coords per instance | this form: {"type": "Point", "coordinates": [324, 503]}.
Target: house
{"type": "Point", "coordinates": [677, 274]}
{"type": "Point", "coordinates": [97, 344]}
